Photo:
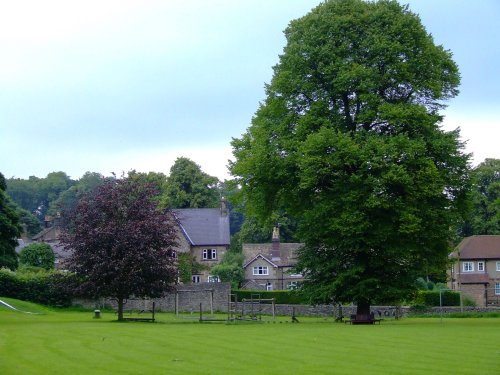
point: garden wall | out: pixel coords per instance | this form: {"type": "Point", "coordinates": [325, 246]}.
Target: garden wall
{"type": "Point", "coordinates": [191, 295]}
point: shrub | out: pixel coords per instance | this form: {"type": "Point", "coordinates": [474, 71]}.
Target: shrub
{"type": "Point", "coordinates": [431, 298]}
{"type": "Point", "coordinates": [37, 255]}
{"type": "Point", "coordinates": [50, 287]}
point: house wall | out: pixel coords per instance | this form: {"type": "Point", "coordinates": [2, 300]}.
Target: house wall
{"type": "Point", "coordinates": [262, 280]}
{"type": "Point", "coordinates": [475, 292]}
{"type": "Point", "coordinates": [279, 277]}
{"type": "Point", "coordinates": [481, 294]}
{"type": "Point", "coordinates": [197, 252]}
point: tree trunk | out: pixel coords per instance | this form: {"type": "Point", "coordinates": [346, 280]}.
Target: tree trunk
{"type": "Point", "coordinates": [120, 308]}
{"type": "Point", "coordinates": [363, 308]}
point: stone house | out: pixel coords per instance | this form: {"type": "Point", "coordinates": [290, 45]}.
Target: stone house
{"type": "Point", "coordinates": [476, 269]}
{"type": "Point", "coordinates": [50, 235]}
{"type": "Point", "coordinates": [204, 233]}
{"type": "Point", "coordinates": [268, 266]}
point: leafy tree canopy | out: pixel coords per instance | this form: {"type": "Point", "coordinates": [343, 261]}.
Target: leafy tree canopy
{"type": "Point", "coordinates": [348, 141]}
{"type": "Point", "coordinates": [122, 242]}
{"type": "Point", "coordinates": [37, 255]}
{"type": "Point", "coordinates": [189, 187]}
{"type": "Point", "coordinates": [484, 215]}
{"type": "Point", "coordinates": [36, 194]}
{"type": "Point", "coordinates": [10, 229]}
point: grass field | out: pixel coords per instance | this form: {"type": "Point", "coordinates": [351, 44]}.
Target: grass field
{"type": "Point", "coordinates": [71, 342]}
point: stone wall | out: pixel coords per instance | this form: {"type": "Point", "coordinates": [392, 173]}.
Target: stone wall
{"type": "Point", "coordinates": [188, 296]}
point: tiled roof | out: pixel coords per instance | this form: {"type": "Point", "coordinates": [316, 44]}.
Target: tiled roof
{"type": "Point", "coordinates": [479, 247]}
{"type": "Point", "coordinates": [474, 278]}
{"type": "Point", "coordinates": [204, 226]}
{"type": "Point", "coordinates": [287, 252]}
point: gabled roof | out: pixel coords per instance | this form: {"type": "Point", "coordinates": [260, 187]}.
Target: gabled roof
{"type": "Point", "coordinates": [42, 233]}
{"type": "Point", "coordinates": [204, 226]}
{"type": "Point", "coordinates": [479, 247]}
{"type": "Point", "coordinates": [288, 252]}
{"type": "Point", "coordinates": [261, 257]}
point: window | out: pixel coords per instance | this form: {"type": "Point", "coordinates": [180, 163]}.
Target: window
{"type": "Point", "coordinates": [213, 279]}
{"type": "Point", "coordinates": [497, 289]}
{"type": "Point", "coordinates": [468, 266]}
{"type": "Point", "coordinates": [292, 285]}
{"type": "Point", "coordinates": [195, 279]}
{"type": "Point", "coordinates": [480, 266]}
{"type": "Point", "coordinates": [209, 254]}
{"type": "Point", "coordinates": [498, 266]}
{"type": "Point", "coordinates": [261, 270]}
{"type": "Point", "coordinates": [269, 286]}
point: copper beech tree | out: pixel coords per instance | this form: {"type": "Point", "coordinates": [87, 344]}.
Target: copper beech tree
{"type": "Point", "coordinates": [121, 243]}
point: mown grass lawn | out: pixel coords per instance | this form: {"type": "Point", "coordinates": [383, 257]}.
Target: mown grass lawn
{"type": "Point", "coordinates": [66, 342]}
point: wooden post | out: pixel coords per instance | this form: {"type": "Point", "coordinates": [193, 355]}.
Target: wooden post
{"type": "Point", "coordinates": [274, 310]}
{"type": "Point", "coordinates": [212, 302]}
{"type": "Point", "coordinates": [201, 313]}
{"type": "Point", "coordinates": [153, 311]}
{"type": "Point", "coordinates": [176, 303]}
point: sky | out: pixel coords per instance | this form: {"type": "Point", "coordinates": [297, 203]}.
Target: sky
{"type": "Point", "coordinates": [118, 85]}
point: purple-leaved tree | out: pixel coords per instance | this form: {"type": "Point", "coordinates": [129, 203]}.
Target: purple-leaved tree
{"type": "Point", "coordinates": [121, 243]}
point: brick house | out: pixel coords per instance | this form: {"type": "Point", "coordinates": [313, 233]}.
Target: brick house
{"type": "Point", "coordinates": [204, 233]}
{"type": "Point", "coordinates": [476, 269]}
{"type": "Point", "coordinates": [268, 266]}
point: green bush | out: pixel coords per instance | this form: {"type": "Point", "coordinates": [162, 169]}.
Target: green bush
{"type": "Point", "coordinates": [431, 298]}
{"type": "Point", "coordinates": [283, 297]}
{"type": "Point", "coordinates": [49, 288]}
{"type": "Point", "coordinates": [37, 255]}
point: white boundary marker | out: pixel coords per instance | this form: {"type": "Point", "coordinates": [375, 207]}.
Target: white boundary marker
{"type": "Point", "coordinates": [13, 308]}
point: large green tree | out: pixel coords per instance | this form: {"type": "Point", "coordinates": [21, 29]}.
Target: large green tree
{"type": "Point", "coordinates": [10, 229]}
{"type": "Point", "coordinates": [349, 142]}
{"type": "Point", "coordinates": [189, 187]}
{"type": "Point", "coordinates": [37, 194]}
{"type": "Point", "coordinates": [484, 217]}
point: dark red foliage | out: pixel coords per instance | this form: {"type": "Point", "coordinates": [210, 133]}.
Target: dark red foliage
{"type": "Point", "coordinates": [121, 241]}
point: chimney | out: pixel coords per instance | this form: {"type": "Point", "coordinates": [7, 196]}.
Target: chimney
{"type": "Point", "coordinates": [57, 220]}
{"type": "Point", "coordinates": [275, 248]}
{"type": "Point", "coordinates": [47, 221]}
{"type": "Point", "coordinates": [223, 207]}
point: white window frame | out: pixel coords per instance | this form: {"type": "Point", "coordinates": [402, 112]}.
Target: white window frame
{"type": "Point", "coordinates": [209, 254]}
{"type": "Point", "coordinates": [292, 285]}
{"type": "Point", "coordinates": [498, 266]}
{"type": "Point", "coordinates": [468, 266]}
{"type": "Point", "coordinates": [196, 279]}
{"type": "Point", "coordinates": [213, 279]}
{"type": "Point", "coordinates": [269, 286]}
{"type": "Point", "coordinates": [480, 266]}
{"type": "Point", "coordinates": [260, 271]}
{"type": "Point", "coordinates": [497, 289]}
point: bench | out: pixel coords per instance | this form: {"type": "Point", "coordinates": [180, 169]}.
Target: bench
{"type": "Point", "coordinates": [363, 319]}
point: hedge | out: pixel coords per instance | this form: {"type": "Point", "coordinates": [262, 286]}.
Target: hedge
{"type": "Point", "coordinates": [431, 298]}
{"type": "Point", "coordinates": [53, 289]}
{"type": "Point", "coordinates": [282, 297]}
